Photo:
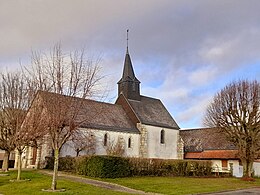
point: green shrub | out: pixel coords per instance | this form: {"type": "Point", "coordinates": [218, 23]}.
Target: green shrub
{"type": "Point", "coordinates": [65, 163]}
{"type": "Point", "coordinates": [159, 167]}
{"type": "Point", "coordinates": [113, 167]}
{"type": "Point", "coordinates": [81, 163]}
{"type": "Point", "coordinates": [49, 162]}
{"type": "Point", "coordinates": [107, 167]}
{"type": "Point", "coordinates": [146, 167]}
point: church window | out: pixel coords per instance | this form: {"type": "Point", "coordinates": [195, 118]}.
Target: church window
{"type": "Point", "coordinates": [162, 137]}
{"type": "Point", "coordinates": [129, 142]}
{"type": "Point", "coordinates": [105, 139]}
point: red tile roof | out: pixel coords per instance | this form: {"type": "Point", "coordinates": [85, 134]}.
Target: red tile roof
{"type": "Point", "coordinates": [212, 154]}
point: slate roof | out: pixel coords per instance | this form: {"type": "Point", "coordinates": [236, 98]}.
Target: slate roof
{"type": "Point", "coordinates": [128, 72]}
{"type": "Point", "coordinates": [94, 114]}
{"type": "Point", "coordinates": [198, 140]}
{"type": "Point", "coordinates": [151, 111]}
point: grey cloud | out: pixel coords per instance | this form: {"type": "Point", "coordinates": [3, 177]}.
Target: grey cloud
{"type": "Point", "coordinates": [178, 48]}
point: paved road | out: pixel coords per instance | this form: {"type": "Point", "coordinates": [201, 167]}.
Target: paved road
{"type": "Point", "coordinates": [252, 191]}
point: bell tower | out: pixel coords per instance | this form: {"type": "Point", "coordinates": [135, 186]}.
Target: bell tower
{"type": "Point", "coordinates": [129, 85]}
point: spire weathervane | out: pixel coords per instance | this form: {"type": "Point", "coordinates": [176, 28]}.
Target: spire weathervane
{"type": "Point", "coordinates": [127, 40]}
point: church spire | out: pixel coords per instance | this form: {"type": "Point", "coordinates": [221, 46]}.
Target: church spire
{"type": "Point", "coordinates": [128, 71]}
{"type": "Point", "coordinates": [129, 85]}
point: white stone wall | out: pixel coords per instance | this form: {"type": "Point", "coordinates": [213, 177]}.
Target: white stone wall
{"type": "Point", "coordinates": [113, 136]}
{"type": "Point", "coordinates": [256, 168]}
{"type": "Point", "coordinates": [217, 165]}
{"type": "Point", "coordinates": [234, 162]}
{"type": "Point", "coordinates": [155, 149]}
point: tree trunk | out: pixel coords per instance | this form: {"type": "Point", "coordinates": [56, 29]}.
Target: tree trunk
{"type": "Point", "coordinates": [248, 167]}
{"type": "Point", "coordinates": [55, 169]}
{"type": "Point", "coordinates": [19, 167]}
{"type": "Point", "coordinates": [5, 165]}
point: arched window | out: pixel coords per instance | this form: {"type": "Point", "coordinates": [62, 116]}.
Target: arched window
{"type": "Point", "coordinates": [129, 142]}
{"type": "Point", "coordinates": [105, 139]}
{"type": "Point", "coordinates": [162, 136]}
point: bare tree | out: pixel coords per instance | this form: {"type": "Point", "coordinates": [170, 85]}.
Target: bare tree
{"type": "Point", "coordinates": [14, 101]}
{"type": "Point", "coordinates": [13, 105]}
{"type": "Point", "coordinates": [115, 147]}
{"type": "Point", "coordinates": [235, 110]}
{"type": "Point", "coordinates": [6, 139]}
{"type": "Point", "coordinates": [83, 142]}
{"type": "Point", "coordinates": [70, 76]}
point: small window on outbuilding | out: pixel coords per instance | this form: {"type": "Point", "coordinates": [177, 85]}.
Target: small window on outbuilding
{"type": "Point", "coordinates": [162, 137]}
{"type": "Point", "coordinates": [129, 142]}
{"type": "Point", "coordinates": [105, 139]}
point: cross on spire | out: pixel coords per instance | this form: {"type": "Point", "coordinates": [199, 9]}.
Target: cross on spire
{"type": "Point", "coordinates": [127, 31]}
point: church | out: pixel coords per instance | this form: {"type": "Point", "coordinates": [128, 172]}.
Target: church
{"type": "Point", "coordinates": [142, 124]}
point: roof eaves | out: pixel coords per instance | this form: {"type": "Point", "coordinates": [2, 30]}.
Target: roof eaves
{"type": "Point", "coordinates": [109, 128]}
{"type": "Point", "coordinates": [161, 125]}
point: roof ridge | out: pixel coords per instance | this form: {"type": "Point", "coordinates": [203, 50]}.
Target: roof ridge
{"type": "Point", "coordinates": [75, 97]}
{"type": "Point", "coordinates": [198, 129]}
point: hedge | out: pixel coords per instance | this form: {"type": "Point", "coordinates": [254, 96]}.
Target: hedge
{"type": "Point", "coordinates": [108, 167]}
{"type": "Point", "coordinates": [113, 167]}
{"type": "Point", "coordinates": [160, 167]}
{"type": "Point", "coordinates": [65, 163]}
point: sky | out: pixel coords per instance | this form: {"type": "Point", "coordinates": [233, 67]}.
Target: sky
{"type": "Point", "coordinates": [183, 52]}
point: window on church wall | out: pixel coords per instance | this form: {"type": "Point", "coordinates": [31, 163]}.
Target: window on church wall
{"type": "Point", "coordinates": [162, 138]}
{"type": "Point", "coordinates": [105, 139]}
{"type": "Point", "coordinates": [129, 142]}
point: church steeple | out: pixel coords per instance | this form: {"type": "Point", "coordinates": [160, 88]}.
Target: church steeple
{"type": "Point", "coordinates": [129, 85]}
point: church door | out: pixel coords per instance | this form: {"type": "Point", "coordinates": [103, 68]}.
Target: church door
{"type": "Point", "coordinates": [34, 155]}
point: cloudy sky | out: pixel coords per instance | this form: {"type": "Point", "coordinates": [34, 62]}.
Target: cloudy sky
{"type": "Point", "coordinates": [183, 52]}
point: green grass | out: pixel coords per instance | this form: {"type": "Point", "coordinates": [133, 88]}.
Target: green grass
{"type": "Point", "coordinates": [39, 181]}
{"type": "Point", "coordinates": [184, 185]}
{"type": "Point", "coordinates": [163, 185]}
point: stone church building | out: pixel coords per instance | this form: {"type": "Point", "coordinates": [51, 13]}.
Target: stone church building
{"type": "Point", "coordinates": [142, 124]}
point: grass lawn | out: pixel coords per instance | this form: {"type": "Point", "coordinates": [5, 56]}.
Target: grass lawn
{"type": "Point", "coordinates": [163, 185]}
{"type": "Point", "coordinates": [184, 185]}
{"type": "Point", "coordinates": [39, 181]}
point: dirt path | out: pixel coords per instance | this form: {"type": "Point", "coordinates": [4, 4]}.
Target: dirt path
{"type": "Point", "coordinates": [101, 184]}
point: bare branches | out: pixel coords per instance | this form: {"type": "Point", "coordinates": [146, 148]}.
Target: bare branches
{"type": "Point", "coordinates": [84, 141]}
{"type": "Point", "coordinates": [236, 111]}
{"type": "Point", "coordinates": [14, 102]}
{"type": "Point", "coordinates": [116, 147]}
{"type": "Point", "coordinates": [67, 74]}
{"type": "Point", "coordinates": [71, 78]}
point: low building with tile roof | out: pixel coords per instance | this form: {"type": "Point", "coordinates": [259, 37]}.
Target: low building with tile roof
{"type": "Point", "coordinates": [210, 144]}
